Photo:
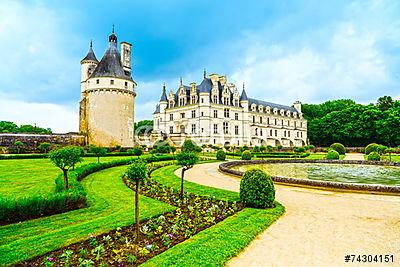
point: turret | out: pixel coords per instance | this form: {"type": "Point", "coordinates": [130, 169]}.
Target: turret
{"type": "Point", "coordinates": [244, 100]}
{"type": "Point", "coordinates": [88, 64]}
{"type": "Point", "coordinates": [163, 100]}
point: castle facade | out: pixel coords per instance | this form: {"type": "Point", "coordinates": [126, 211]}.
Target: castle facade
{"type": "Point", "coordinates": [213, 112]}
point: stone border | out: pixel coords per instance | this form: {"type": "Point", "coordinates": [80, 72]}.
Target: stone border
{"type": "Point", "coordinates": [367, 188]}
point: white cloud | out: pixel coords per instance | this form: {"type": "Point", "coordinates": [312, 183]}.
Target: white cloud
{"type": "Point", "coordinates": [59, 118]}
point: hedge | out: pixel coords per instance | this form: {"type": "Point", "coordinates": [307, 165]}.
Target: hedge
{"type": "Point", "coordinates": [35, 206]}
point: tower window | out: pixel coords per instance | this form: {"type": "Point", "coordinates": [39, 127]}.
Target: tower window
{"type": "Point", "coordinates": [171, 117]}
{"type": "Point", "coordinates": [97, 81]}
{"type": "Point", "coordinates": [193, 113]}
{"type": "Point", "coordinates": [202, 100]}
{"type": "Point", "coordinates": [126, 84]}
{"type": "Point", "coordinates": [171, 129]}
{"type": "Point", "coordinates": [236, 130]}
{"type": "Point", "coordinates": [111, 82]}
{"type": "Point", "coordinates": [237, 116]}
{"type": "Point", "coordinates": [182, 115]}
{"type": "Point", "coordinates": [215, 113]}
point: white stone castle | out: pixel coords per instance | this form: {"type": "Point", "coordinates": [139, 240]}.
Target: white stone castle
{"type": "Point", "coordinates": [106, 114]}
{"type": "Point", "coordinates": [213, 112]}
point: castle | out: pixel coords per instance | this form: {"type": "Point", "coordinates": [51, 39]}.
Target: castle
{"type": "Point", "coordinates": [106, 113]}
{"type": "Point", "coordinates": [213, 112]}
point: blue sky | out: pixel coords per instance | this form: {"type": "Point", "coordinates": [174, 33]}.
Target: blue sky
{"type": "Point", "coordinates": [283, 51]}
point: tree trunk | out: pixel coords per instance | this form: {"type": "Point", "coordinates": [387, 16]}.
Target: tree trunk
{"type": "Point", "coordinates": [183, 174]}
{"type": "Point", "coordinates": [98, 159]}
{"type": "Point", "coordinates": [137, 212]}
{"type": "Point", "coordinates": [65, 179]}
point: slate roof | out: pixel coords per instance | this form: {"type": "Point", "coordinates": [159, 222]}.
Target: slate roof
{"type": "Point", "coordinates": [272, 105]}
{"type": "Point", "coordinates": [110, 65]}
{"type": "Point", "coordinates": [244, 95]}
{"type": "Point", "coordinates": [90, 55]}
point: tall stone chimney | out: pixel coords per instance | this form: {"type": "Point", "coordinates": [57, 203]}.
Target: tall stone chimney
{"type": "Point", "coordinates": [126, 56]}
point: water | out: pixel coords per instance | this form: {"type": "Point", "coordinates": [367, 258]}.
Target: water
{"type": "Point", "coordinates": [346, 173]}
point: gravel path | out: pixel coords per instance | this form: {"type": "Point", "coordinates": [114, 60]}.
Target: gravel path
{"type": "Point", "coordinates": [354, 156]}
{"type": "Point", "coordinates": [319, 227]}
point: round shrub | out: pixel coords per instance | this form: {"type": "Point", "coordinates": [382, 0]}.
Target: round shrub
{"type": "Point", "coordinates": [339, 148]}
{"type": "Point", "coordinates": [221, 155]}
{"type": "Point", "coordinates": [373, 147]}
{"type": "Point", "coordinates": [374, 156]}
{"type": "Point", "coordinates": [246, 155]}
{"type": "Point", "coordinates": [257, 189]}
{"type": "Point", "coordinates": [332, 154]}
{"type": "Point", "coordinates": [299, 150]}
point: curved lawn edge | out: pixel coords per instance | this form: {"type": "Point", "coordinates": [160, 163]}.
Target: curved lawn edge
{"type": "Point", "coordinates": [216, 245]}
{"type": "Point", "coordinates": [326, 185]}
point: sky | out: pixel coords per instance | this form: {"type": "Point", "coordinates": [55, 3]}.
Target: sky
{"type": "Point", "coordinates": [283, 51]}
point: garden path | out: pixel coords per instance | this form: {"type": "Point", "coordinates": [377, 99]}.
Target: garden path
{"type": "Point", "coordinates": [319, 227]}
{"type": "Point", "coordinates": [354, 156]}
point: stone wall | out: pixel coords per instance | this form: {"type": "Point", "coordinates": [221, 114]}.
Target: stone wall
{"type": "Point", "coordinates": [33, 140]}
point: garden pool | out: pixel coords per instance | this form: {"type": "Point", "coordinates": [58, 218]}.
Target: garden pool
{"type": "Point", "coordinates": [344, 173]}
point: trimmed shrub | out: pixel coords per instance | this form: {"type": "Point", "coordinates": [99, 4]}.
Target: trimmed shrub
{"type": "Point", "coordinates": [221, 155]}
{"type": "Point", "coordinates": [246, 155]}
{"type": "Point", "coordinates": [257, 189]}
{"type": "Point", "coordinates": [374, 156]}
{"type": "Point", "coordinates": [373, 147]}
{"type": "Point", "coordinates": [338, 147]}
{"type": "Point", "coordinates": [332, 154]}
{"type": "Point", "coordinates": [279, 147]}
{"type": "Point", "coordinates": [299, 150]}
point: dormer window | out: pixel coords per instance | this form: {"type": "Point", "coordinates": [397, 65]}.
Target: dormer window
{"type": "Point", "coordinates": [112, 82]}
{"type": "Point", "coordinates": [215, 99]}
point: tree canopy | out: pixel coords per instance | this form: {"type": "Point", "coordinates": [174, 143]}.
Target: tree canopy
{"type": "Point", "coordinates": [11, 127]}
{"type": "Point", "coordinates": [352, 124]}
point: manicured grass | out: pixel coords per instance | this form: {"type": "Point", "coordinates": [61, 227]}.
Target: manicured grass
{"type": "Point", "coordinates": [20, 177]}
{"type": "Point", "coordinates": [218, 244]}
{"type": "Point", "coordinates": [167, 177]}
{"type": "Point", "coordinates": [395, 158]}
{"type": "Point", "coordinates": [111, 205]}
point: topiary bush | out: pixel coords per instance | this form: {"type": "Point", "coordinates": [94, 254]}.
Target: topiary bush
{"type": "Point", "coordinates": [221, 155]}
{"type": "Point", "coordinates": [257, 189]}
{"type": "Point", "coordinates": [338, 147]}
{"type": "Point", "coordinates": [246, 155]}
{"type": "Point", "coordinates": [332, 154]}
{"type": "Point", "coordinates": [374, 156]}
{"type": "Point", "coordinates": [373, 147]}
{"type": "Point", "coordinates": [299, 150]}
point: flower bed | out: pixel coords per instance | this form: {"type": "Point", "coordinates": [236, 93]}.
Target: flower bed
{"type": "Point", "coordinates": [195, 214]}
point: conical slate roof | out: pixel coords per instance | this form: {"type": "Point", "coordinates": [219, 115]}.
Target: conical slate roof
{"type": "Point", "coordinates": [110, 65]}
{"type": "Point", "coordinates": [244, 97]}
{"type": "Point", "coordinates": [90, 55]}
{"type": "Point", "coordinates": [164, 95]}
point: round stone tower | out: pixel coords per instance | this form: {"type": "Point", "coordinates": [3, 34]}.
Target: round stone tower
{"type": "Point", "coordinates": [107, 97]}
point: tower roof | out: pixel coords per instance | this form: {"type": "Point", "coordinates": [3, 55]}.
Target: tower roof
{"type": "Point", "coordinates": [244, 97]}
{"type": "Point", "coordinates": [90, 55]}
{"type": "Point", "coordinates": [110, 65]}
{"type": "Point", "coordinates": [164, 95]}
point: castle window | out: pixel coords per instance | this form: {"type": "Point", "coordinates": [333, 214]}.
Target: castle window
{"type": "Point", "coordinates": [215, 99]}
{"type": "Point", "coordinates": [111, 82]}
{"type": "Point", "coordinates": [226, 128]}
{"type": "Point", "coordinates": [202, 130]}
{"type": "Point", "coordinates": [182, 115]}
{"type": "Point", "coordinates": [236, 103]}
{"type": "Point", "coordinates": [226, 101]}
{"type": "Point", "coordinates": [202, 100]}
{"type": "Point", "coordinates": [288, 133]}
{"type": "Point", "coordinates": [226, 112]}
{"type": "Point", "coordinates": [171, 129]}
{"type": "Point", "coordinates": [171, 117]}
{"type": "Point", "coordinates": [260, 119]}
{"type": "Point", "coordinates": [236, 130]}
{"type": "Point", "coordinates": [193, 99]}
{"type": "Point", "coordinates": [282, 122]}
{"type": "Point", "coordinates": [254, 119]}
{"type": "Point", "coordinates": [126, 84]}
{"type": "Point", "coordinates": [193, 113]}
{"type": "Point", "coordinates": [268, 121]}
{"type": "Point", "coordinates": [261, 133]}
{"type": "Point", "coordinates": [276, 132]}
{"type": "Point", "coordinates": [202, 113]}
{"type": "Point", "coordinates": [215, 141]}
{"type": "Point", "coordinates": [301, 134]}
{"type": "Point", "coordinates": [215, 113]}
{"type": "Point", "coordinates": [237, 116]}
{"type": "Point", "coordinates": [270, 133]}
{"type": "Point", "coordinates": [275, 122]}
{"type": "Point", "coordinates": [182, 129]}
{"type": "Point", "coordinates": [97, 81]}
{"type": "Point", "coordinates": [215, 130]}
{"type": "Point", "coordinates": [256, 131]}
{"type": "Point", "coordinates": [193, 128]}
{"type": "Point", "coordinates": [284, 133]}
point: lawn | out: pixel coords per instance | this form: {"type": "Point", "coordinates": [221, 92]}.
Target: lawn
{"type": "Point", "coordinates": [20, 177]}
{"type": "Point", "coordinates": [111, 204]}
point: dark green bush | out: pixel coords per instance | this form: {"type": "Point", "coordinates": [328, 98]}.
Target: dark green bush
{"type": "Point", "coordinates": [221, 155]}
{"type": "Point", "coordinates": [373, 147]}
{"type": "Point", "coordinates": [299, 150]}
{"type": "Point", "coordinates": [338, 147]}
{"type": "Point", "coordinates": [257, 189]}
{"type": "Point", "coordinates": [374, 156]}
{"type": "Point", "coordinates": [246, 155]}
{"type": "Point", "coordinates": [332, 154]}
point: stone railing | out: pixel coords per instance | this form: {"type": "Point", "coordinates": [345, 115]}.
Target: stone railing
{"type": "Point", "coordinates": [370, 188]}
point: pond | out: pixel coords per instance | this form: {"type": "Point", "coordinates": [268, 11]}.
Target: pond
{"type": "Point", "coordinates": [345, 173]}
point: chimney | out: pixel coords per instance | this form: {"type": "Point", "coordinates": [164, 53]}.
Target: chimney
{"type": "Point", "coordinates": [297, 106]}
{"type": "Point", "coordinates": [126, 56]}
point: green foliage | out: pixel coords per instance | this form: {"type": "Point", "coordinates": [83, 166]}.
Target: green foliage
{"type": "Point", "coordinates": [66, 157]}
{"type": "Point", "coordinates": [190, 146]}
{"type": "Point", "coordinates": [221, 155]}
{"type": "Point", "coordinates": [374, 156]}
{"type": "Point", "coordinates": [44, 147]}
{"type": "Point", "coordinates": [244, 148]}
{"type": "Point", "coordinates": [10, 127]}
{"type": "Point", "coordinates": [270, 148]}
{"type": "Point", "coordinates": [338, 147]}
{"type": "Point", "coordinates": [373, 147]}
{"type": "Point", "coordinates": [246, 155]}
{"type": "Point", "coordinates": [186, 159]}
{"type": "Point", "coordinates": [299, 149]}
{"type": "Point", "coordinates": [136, 151]}
{"type": "Point", "coordinates": [257, 189]}
{"type": "Point", "coordinates": [98, 151]}
{"type": "Point", "coordinates": [332, 154]}
{"type": "Point", "coordinates": [162, 147]}
{"type": "Point", "coordinates": [141, 127]}
{"type": "Point", "coordinates": [279, 147]}
{"type": "Point", "coordinates": [19, 145]}
{"type": "Point", "coordinates": [137, 171]}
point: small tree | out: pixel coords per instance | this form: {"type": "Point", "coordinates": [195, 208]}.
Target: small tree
{"type": "Point", "coordinates": [98, 151]}
{"type": "Point", "coordinates": [389, 151]}
{"type": "Point", "coordinates": [137, 172]}
{"type": "Point", "coordinates": [137, 151]}
{"type": "Point", "coordinates": [65, 158]}
{"type": "Point", "coordinates": [187, 160]}
{"type": "Point", "coordinates": [44, 147]}
{"type": "Point", "coordinates": [19, 145]}
{"type": "Point", "coordinates": [190, 146]}
{"type": "Point", "coordinates": [203, 146]}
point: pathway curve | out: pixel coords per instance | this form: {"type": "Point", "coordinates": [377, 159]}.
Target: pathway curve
{"type": "Point", "coordinates": [354, 156]}
{"type": "Point", "coordinates": [319, 227]}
